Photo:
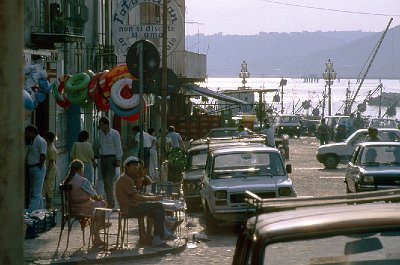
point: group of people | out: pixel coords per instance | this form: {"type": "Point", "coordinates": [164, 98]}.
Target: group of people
{"type": "Point", "coordinates": [41, 171]}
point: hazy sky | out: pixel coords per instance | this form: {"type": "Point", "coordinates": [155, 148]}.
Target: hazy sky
{"type": "Point", "coordinates": [248, 17]}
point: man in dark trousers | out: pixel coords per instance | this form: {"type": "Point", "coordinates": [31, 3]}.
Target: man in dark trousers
{"type": "Point", "coordinates": [323, 130]}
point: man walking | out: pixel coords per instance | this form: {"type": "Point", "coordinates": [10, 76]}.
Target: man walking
{"type": "Point", "coordinates": [269, 133]}
{"type": "Point", "coordinates": [110, 154]}
{"type": "Point", "coordinates": [147, 144]}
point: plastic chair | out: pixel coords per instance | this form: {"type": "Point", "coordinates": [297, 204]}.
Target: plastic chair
{"type": "Point", "coordinates": [67, 217]}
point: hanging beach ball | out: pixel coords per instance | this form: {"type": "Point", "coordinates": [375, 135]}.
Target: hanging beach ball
{"type": "Point", "coordinates": [28, 102]}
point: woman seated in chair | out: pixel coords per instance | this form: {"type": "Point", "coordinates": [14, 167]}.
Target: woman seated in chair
{"type": "Point", "coordinates": [84, 198]}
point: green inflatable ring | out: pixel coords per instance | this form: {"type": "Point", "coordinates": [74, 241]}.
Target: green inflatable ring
{"type": "Point", "coordinates": [77, 82]}
{"type": "Point", "coordinates": [77, 97]}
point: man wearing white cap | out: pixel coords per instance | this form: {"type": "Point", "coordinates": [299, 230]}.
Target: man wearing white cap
{"type": "Point", "coordinates": [134, 204]}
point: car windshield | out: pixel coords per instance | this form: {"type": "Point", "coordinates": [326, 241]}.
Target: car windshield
{"type": "Point", "coordinates": [248, 164]}
{"type": "Point", "coordinates": [382, 123]}
{"type": "Point", "coordinates": [380, 155]}
{"type": "Point", "coordinates": [287, 119]}
{"type": "Point", "coordinates": [197, 159]}
{"type": "Point", "coordinates": [374, 248]}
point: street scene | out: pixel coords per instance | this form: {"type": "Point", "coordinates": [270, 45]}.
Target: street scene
{"type": "Point", "coordinates": [200, 132]}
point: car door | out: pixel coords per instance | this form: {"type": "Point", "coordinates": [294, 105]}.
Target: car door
{"type": "Point", "coordinates": [353, 169]}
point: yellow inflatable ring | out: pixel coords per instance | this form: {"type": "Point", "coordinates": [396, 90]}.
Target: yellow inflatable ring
{"type": "Point", "coordinates": [122, 96]}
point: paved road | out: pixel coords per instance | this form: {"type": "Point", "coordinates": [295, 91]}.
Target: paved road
{"type": "Point", "coordinates": [310, 179]}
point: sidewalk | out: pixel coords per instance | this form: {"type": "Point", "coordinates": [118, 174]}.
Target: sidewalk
{"type": "Point", "coordinates": [43, 249]}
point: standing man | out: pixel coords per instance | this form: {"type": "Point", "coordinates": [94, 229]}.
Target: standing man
{"type": "Point", "coordinates": [110, 154]}
{"type": "Point", "coordinates": [51, 170]}
{"type": "Point", "coordinates": [176, 139]}
{"type": "Point", "coordinates": [324, 132]}
{"type": "Point", "coordinates": [147, 144]}
{"type": "Point", "coordinates": [350, 125]}
{"type": "Point", "coordinates": [358, 122]}
{"type": "Point", "coordinates": [269, 132]}
{"type": "Point", "coordinates": [241, 130]}
{"type": "Point", "coordinates": [36, 168]}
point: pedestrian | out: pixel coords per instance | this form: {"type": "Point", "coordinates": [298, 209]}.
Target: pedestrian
{"type": "Point", "coordinates": [51, 170]}
{"type": "Point", "coordinates": [153, 165]}
{"type": "Point", "coordinates": [110, 154]}
{"type": "Point", "coordinates": [242, 131]}
{"type": "Point", "coordinates": [83, 150]}
{"type": "Point", "coordinates": [269, 132]}
{"type": "Point", "coordinates": [358, 122]}
{"type": "Point", "coordinates": [324, 132]}
{"type": "Point", "coordinates": [147, 144]}
{"type": "Point", "coordinates": [350, 125]}
{"type": "Point", "coordinates": [36, 165]}
{"type": "Point", "coordinates": [134, 204]}
{"type": "Point", "coordinates": [176, 139]}
{"type": "Point", "coordinates": [373, 135]}
{"type": "Point", "coordinates": [84, 199]}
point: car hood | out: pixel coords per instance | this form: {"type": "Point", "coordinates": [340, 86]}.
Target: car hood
{"type": "Point", "coordinates": [380, 170]}
{"type": "Point", "coordinates": [251, 183]}
{"type": "Point", "coordinates": [194, 174]}
{"type": "Point", "coordinates": [329, 147]}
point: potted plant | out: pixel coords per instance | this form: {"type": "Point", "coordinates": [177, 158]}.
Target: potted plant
{"type": "Point", "coordinates": [59, 23]}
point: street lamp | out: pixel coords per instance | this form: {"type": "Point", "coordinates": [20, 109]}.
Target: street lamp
{"type": "Point", "coordinates": [281, 84]}
{"type": "Point", "coordinates": [329, 75]}
{"type": "Point", "coordinates": [244, 74]}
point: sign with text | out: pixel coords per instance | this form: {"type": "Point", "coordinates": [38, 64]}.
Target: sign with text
{"type": "Point", "coordinates": [126, 34]}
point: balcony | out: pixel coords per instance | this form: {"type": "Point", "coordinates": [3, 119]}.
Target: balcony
{"type": "Point", "coordinates": [44, 37]}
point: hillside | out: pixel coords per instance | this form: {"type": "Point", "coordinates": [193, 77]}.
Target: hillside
{"type": "Point", "coordinates": [298, 54]}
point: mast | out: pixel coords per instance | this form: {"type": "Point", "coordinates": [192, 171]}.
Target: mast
{"type": "Point", "coordinates": [374, 52]}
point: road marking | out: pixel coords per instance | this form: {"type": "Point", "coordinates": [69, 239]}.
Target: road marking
{"type": "Point", "coordinates": [331, 177]}
{"type": "Point", "coordinates": [308, 168]}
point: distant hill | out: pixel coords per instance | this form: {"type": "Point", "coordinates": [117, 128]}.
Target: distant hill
{"type": "Point", "coordinates": [299, 53]}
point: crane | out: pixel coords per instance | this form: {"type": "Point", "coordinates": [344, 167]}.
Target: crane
{"type": "Point", "coordinates": [369, 62]}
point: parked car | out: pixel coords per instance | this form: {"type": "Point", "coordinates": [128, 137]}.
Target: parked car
{"type": "Point", "coordinates": [287, 124]}
{"type": "Point", "coordinates": [374, 166]}
{"type": "Point", "coordinates": [333, 231]}
{"type": "Point", "coordinates": [333, 154]}
{"type": "Point", "coordinates": [232, 170]}
{"type": "Point", "coordinates": [191, 177]}
{"type": "Point", "coordinates": [196, 161]}
{"type": "Point", "coordinates": [382, 123]}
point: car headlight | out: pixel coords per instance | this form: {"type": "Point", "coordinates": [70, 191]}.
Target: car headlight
{"type": "Point", "coordinates": [281, 128]}
{"type": "Point", "coordinates": [220, 194]}
{"type": "Point", "coordinates": [285, 191]}
{"type": "Point", "coordinates": [368, 179]}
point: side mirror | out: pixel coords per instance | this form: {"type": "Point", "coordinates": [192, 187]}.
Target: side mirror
{"type": "Point", "coordinates": [289, 168]}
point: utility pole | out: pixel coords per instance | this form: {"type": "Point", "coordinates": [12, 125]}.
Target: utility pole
{"type": "Point", "coordinates": [12, 162]}
{"type": "Point", "coordinates": [164, 82]}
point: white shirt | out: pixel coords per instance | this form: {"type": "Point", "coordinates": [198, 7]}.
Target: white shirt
{"type": "Point", "coordinates": [270, 136]}
{"type": "Point", "coordinates": [38, 147]}
{"type": "Point", "coordinates": [243, 133]}
{"type": "Point", "coordinates": [110, 143]}
{"type": "Point", "coordinates": [147, 139]}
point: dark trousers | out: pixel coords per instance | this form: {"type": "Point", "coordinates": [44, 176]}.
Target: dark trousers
{"type": "Point", "coordinates": [27, 188]}
{"type": "Point", "coordinates": [154, 210]}
{"type": "Point", "coordinates": [324, 139]}
{"type": "Point", "coordinates": [107, 166]}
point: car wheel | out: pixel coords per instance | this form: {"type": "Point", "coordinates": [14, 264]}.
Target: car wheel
{"type": "Point", "coordinates": [331, 162]}
{"type": "Point", "coordinates": [211, 222]}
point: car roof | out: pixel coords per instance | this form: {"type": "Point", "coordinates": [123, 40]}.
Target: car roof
{"type": "Point", "coordinates": [326, 219]}
{"type": "Point", "coordinates": [367, 144]}
{"type": "Point", "coordinates": [249, 147]}
{"type": "Point", "coordinates": [335, 214]}
{"type": "Point", "coordinates": [381, 129]}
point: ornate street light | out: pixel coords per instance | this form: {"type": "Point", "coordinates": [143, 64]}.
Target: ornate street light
{"type": "Point", "coordinates": [244, 74]}
{"type": "Point", "coordinates": [329, 75]}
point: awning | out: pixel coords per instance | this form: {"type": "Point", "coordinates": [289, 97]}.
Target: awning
{"type": "Point", "coordinates": [195, 90]}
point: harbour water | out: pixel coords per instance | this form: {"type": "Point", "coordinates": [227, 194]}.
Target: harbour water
{"type": "Point", "coordinates": [296, 91]}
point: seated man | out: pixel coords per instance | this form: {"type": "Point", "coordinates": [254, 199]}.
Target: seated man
{"type": "Point", "coordinates": [135, 204]}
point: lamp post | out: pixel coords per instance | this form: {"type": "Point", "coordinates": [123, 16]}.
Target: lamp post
{"type": "Point", "coordinates": [329, 75]}
{"type": "Point", "coordinates": [244, 74]}
{"type": "Point", "coordinates": [281, 84]}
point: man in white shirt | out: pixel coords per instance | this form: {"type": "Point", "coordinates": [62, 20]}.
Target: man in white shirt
{"type": "Point", "coordinates": [147, 144]}
{"type": "Point", "coordinates": [110, 154]}
{"type": "Point", "coordinates": [269, 133]}
{"type": "Point", "coordinates": [35, 159]}
{"type": "Point", "coordinates": [176, 139]}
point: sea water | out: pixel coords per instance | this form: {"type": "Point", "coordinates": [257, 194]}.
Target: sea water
{"type": "Point", "coordinates": [296, 91]}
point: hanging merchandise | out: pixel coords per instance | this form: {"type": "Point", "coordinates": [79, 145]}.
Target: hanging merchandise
{"type": "Point", "coordinates": [93, 84]}
{"type": "Point", "coordinates": [122, 94]}
{"type": "Point", "coordinates": [116, 73]}
{"type": "Point", "coordinates": [100, 100]}
{"type": "Point", "coordinates": [76, 88]}
{"type": "Point", "coordinates": [28, 101]}
{"type": "Point", "coordinates": [58, 91]}
{"type": "Point", "coordinates": [134, 117]}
